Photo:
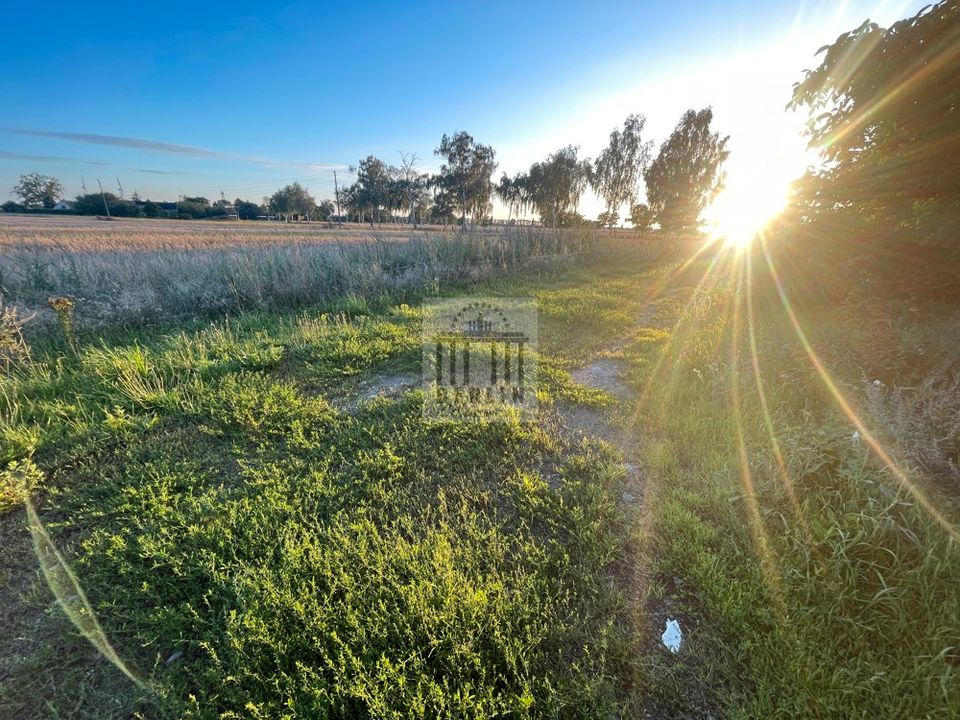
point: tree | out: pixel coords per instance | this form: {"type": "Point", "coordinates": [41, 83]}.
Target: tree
{"type": "Point", "coordinates": [512, 193]}
{"type": "Point", "coordinates": [192, 207]}
{"type": "Point", "coordinates": [619, 167]}
{"type": "Point", "coordinates": [38, 191]}
{"type": "Point", "coordinates": [125, 208]}
{"type": "Point", "coordinates": [556, 184]}
{"type": "Point", "coordinates": [686, 174]}
{"type": "Point", "coordinates": [410, 192]}
{"type": "Point", "coordinates": [523, 189]}
{"type": "Point", "coordinates": [349, 204]}
{"type": "Point", "coordinates": [325, 210]}
{"type": "Point", "coordinates": [412, 186]}
{"type": "Point", "coordinates": [883, 115]}
{"type": "Point", "coordinates": [292, 201]}
{"type": "Point", "coordinates": [397, 194]}
{"type": "Point", "coordinates": [374, 189]}
{"type": "Point", "coordinates": [93, 204]}
{"type": "Point", "coordinates": [466, 173]}
{"type": "Point", "coordinates": [571, 218]}
{"type": "Point", "coordinates": [444, 204]}
{"type": "Point", "coordinates": [220, 208]}
{"type": "Point", "coordinates": [248, 210]}
{"type": "Point", "coordinates": [423, 209]}
{"type": "Point", "coordinates": [641, 216]}
{"type": "Point", "coordinates": [608, 219]}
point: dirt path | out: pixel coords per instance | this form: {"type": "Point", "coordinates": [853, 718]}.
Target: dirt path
{"type": "Point", "coordinates": [612, 425]}
{"type": "Point", "coordinates": [617, 426]}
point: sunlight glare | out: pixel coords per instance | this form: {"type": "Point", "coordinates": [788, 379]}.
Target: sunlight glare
{"type": "Point", "coordinates": [745, 209]}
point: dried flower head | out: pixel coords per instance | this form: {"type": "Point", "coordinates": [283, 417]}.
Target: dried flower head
{"type": "Point", "coordinates": [60, 304]}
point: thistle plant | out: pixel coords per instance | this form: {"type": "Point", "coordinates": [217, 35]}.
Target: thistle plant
{"type": "Point", "coordinates": [63, 310]}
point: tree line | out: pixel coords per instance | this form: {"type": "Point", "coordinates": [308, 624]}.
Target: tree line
{"type": "Point", "coordinates": [679, 183]}
{"type": "Point", "coordinates": [41, 192]}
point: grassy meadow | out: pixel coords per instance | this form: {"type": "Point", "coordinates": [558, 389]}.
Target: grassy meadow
{"type": "Point", "coordinates": [212, 517]}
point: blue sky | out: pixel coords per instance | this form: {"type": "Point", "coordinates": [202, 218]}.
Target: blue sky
{"type": "Point", "coordinates": [186, 98]}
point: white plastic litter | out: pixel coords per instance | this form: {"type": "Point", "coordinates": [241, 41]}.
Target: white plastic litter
{"type": "Point", "coordinates": [855, 438]}
{"type": "Point", "coordinates": [672, 637]}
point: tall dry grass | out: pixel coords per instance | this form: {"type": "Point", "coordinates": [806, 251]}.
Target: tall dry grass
{"type": "Point", "coordinates": [138, 269]}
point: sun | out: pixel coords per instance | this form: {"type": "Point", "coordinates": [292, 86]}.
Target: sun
{"type": "Point", "coordinates": [742, 211]}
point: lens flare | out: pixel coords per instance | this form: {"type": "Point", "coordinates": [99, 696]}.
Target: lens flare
{"type": "Point", "coordinates": [740, 213]}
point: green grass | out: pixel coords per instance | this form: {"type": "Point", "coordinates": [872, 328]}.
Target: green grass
{"type": "Point", "coordinates": [313, 564]}
{"type": "Point", "coordinates": [256, 544]}
{"type": "Point", "coordinates": [222, 503]}
{"type": "Point", "coordinates": [822, 589]}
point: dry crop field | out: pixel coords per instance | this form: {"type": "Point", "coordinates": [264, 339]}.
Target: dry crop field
{"type": "Point", "coordinates": [134, 269]}
{"type": "Point", "coordinates": [89, 234]}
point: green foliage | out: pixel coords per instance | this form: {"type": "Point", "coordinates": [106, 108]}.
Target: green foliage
{"type": "Point", "coordinates": [373, 191]}
{"type": "Point", "coordinates": [193, 207]}
{"type": "Point", "coordinates": [555, 185]}
{"type": "Point", "coordinates": [393, 585]}
{"type": "Point", "coordinates": [251, 549]}
{"type": "Point", "coordinates": [38, 191]}
{"type": "Point", "coordinates": [513, 192]}
{"type": "Point", "coordinates": [466, 172]}
{"type": "Point", "coordinates": [820, 587]}
{"type": "Point", "coordinates": [325, 209]}
{"type": "Point", "coordinates": [292, 201]}
{"type": "Point", "coordinates": [882, 109]}
{"type": "Point", "coordinates": [248, 210]}
{"type": "Point", "coordinates": [686, 176]}
{"type": "Point", "coordinates": [257, 545]}
{"type": "Point", "coordinates": [608, 219]}
{"type": "Point", "coordinates": [618, 169]}
{"type": "Point", "coordinates": [642, 217]}
{"type": "Point", "coordinates": [93, 204]}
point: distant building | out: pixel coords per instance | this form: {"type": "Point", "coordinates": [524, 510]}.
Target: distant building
{"type": "Point", "coordinates": [63, 205]}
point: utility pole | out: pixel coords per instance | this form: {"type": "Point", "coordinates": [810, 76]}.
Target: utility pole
{"type": "Point", "coordinates": [104, 198]}
{"type": "Point", "coordinates": [120, 187]}
{"type": "Point", "coordinates": [336, 192]}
